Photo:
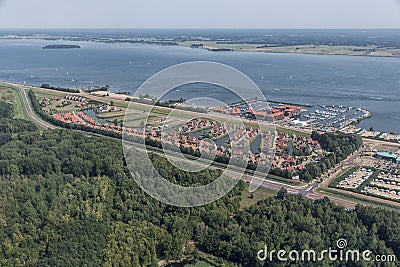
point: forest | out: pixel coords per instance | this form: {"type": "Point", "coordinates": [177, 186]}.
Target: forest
{"type": "Point", "coordinates": [339, 146]}
{"type": "Point", "coordinates": [68, 199]}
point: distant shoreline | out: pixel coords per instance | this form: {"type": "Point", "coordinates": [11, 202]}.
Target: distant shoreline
{"type": "Point", "coordinates": [326, 50]}
{"type": "Point", "coordinates": [214, 46]}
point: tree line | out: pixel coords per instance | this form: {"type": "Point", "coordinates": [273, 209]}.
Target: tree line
{"type": "Point", "coordinates": [68, 199]}
{"type": "Point", "coordinates": [68, 90]}
{"type": "Point", "coordinates": [339, 146]}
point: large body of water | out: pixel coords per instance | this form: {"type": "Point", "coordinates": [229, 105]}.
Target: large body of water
{"type": "Point", "coordinates": [367, 82]}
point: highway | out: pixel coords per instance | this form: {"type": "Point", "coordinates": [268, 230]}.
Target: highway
{"type": "Point", "coordinates": [30, 112]}
{"type": "Point", "coordinates": [308, 191]}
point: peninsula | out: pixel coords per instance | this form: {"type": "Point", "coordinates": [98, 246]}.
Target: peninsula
{"type": "Point", "coordinates": [366, 43]}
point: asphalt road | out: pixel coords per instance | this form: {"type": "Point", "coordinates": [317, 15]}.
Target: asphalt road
{"type": "Point", "coordinates": [30, 112]}
{"type": "Point", "coordinates": [307, 190]}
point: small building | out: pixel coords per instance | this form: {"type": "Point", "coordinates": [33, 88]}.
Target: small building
{"type": "Point", "coordinates": [298, 123]}
{"type": "Point", "coordinates": [395, 158]}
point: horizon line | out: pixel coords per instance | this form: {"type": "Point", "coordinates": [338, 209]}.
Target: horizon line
{"type": "Point", "coordinates": [194, 28]}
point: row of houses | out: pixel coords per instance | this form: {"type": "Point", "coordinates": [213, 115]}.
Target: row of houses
{"type": "Point", "coordinates": [275, 113]}
{"type": "Point", "coordinates": [197, 125]}
{"type": "Point", "coordinates": [176, 139]}
{"type": "Point", "coordinates": [76, 98]}
{"type": "Point", "coordinates": [172, 139]}
{"type": "Point", "coordinates": [82, 119]}
{"type": "Point", "coordinates": [286, 144]}
{"type": "Point", "coordinates": [47, 101]}
{"type": "Point", "coordinates": [107, 108]}
{"type": "Point", "coordinates": [244, 136]}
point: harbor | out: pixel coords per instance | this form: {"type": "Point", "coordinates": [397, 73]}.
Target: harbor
{"type": "Point", "coordinates": [317, 117]}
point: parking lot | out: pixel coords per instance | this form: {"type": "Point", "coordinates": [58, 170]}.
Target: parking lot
{"type": "Point", "coordinates": [391, 194]}
{"type": "Point", "coordinates": [354, 180]}
{"type": "Point", "coordinates": [385, 184]}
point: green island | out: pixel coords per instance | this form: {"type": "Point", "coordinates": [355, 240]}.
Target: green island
{"type": "Point", "coordinates": [233, 44]}
{"type": "Point", "coordinates": [61, 46]}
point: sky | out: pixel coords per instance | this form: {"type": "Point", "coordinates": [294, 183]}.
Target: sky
{"type": "Point", "coordinates": [261, 14]}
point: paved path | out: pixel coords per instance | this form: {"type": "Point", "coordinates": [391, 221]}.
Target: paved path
{"type": "Point", "coordinates": [308, 191]}
{"type": "Point", "coordinates": [30, 112]}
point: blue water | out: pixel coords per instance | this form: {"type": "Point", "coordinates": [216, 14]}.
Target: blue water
{"type": "Point", "coordinates": [92, 114]}
{"type": "Point", "coordinates": [366, 82]}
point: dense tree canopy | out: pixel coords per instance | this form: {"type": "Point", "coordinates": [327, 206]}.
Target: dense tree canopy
{"type": "Point", "coordinates": [10, 125]}
{"type": "Point", "coordinates": [68, 199]}
{"type": "Point", "coordinates": [340, 147]}
{"type": "Point", "coordinates": [69, 90]}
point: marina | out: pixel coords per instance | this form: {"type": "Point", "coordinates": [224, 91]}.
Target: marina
{"type": "Point", "coordinates": [313, 80]}
{"type": "Point", "coordinates": [320, 117]}
{"type": "Point", "coordinates": [333, 116]}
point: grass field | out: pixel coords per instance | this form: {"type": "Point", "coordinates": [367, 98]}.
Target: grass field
{"type": "Point", "coordinates": [140, 120]}
{"type": "Point", "coordinates": [42, 94]}
{"type": "Point", "coordinates": [199, 264]}
{"type": "Point", "coordinates": [68, 108]}
{"type": "Point", "coordinates": [291, 132]}
{"type": "Point", "coordinates": [13, 96]}
{"type": "Point", "coordinates": [112, 115]}
{"type": "Point", "coordinates": [358, 200]}
{"type": "Point", "coordinates": [249, 199]}
{"type": "Point", "coordinates": [303, 49]}
{"type": "Point", "coordinates": [135, 118]}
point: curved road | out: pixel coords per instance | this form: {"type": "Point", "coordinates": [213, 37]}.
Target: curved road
{"type": "Point", "coordinates": [30, 112]}
{"type": "Point", "coordinates": [307, 190]}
